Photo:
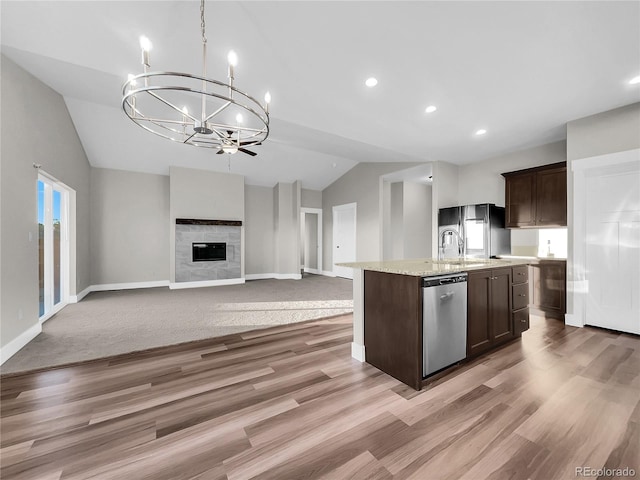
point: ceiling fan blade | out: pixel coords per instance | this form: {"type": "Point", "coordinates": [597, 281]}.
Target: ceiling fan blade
{"type": "Point", "coordinates": [248, 152]}
{"type": "Point", "coordinates": [190, 137]}
{"type": "Point", "coordinates": [220, 152]}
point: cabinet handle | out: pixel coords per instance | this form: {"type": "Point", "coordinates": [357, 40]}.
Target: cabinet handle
{"type": "Point", "coordinates": [523, 321]}
{"type": "Point", "coordinates": [522, 294]}
{"type": "Point", "coordinates": [520, 273]}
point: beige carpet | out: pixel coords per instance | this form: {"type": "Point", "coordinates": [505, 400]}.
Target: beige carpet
{"type": "Point", "coordinates": [111, 323]}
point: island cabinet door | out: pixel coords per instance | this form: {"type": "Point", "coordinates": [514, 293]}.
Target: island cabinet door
{"type": "Point", "coordinates": [501, 321]}
{"type": "Point", "coordinates": [393, 325]}
{"type": "Point", "coordinates": [479, 333]}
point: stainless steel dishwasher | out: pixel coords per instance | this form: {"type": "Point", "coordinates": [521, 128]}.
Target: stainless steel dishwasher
{"type": "Point", "coordinates": [444, 321]}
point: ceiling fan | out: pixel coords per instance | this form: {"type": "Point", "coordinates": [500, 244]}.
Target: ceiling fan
{"type": "Point", "coordinates": [231, 147]}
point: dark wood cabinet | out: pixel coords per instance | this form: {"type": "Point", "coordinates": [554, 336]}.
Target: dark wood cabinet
{"type": "Point", "coordinates": [520, 298]}
{"type": "Point", "coordinates": [536, 197]}
{"type": "Point", "coordinates": [520, 192]}
{"type": "Point", "coordinates": [393, 325]}
{"type": "Point", "coordinates": [489, 320]}
{"type": "Point", "coordinates": [548, 288]}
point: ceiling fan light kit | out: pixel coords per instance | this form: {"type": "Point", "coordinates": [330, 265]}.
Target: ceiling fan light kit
{"type": "Point", "coordinates": [194, 109]}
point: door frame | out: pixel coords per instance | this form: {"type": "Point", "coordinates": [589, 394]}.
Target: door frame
{"type": "Point", "coordinates": [577, 276]}
{"type": "Point", "coordinates": [66, 218]}
{"type": "Point", "coordinates": [347, 206]}
{"type": "Point", "coordinates": [315, 211]}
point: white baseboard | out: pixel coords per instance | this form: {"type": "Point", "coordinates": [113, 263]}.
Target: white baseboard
{"type": "Point", "coordinates": [328, 273]}
{"type": "Point", "coordinates": [259, 276]}
{"type": "Point", "coordinates": [206, 283]}
{"type": "Point", "coordinates": [128, 286]}
{"type": "Point", "coordinates": [357, 351]}
{"type": "Point", "coordinates": [81, 295]}
{"type": "Point", "coordinates": [288, 276]}
{"type": "Point", "coordinates": [572, 320]}
{"type": "Point", "coordinates": [105, 287]}
{"type": "Point", "coordinates": [11, 348]}
{"type": "Point", "coordinates": [277, 276]}
{"type": "Point", "coordinates": [315, 271]}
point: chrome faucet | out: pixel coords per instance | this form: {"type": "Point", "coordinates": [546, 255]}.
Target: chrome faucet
{"type": "Point", "coordinates": [451, 232]}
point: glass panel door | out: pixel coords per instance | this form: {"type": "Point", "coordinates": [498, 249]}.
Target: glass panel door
{"type": "Point", "coordinates": [52, 238]}
{"type": "Point", "coordinates": [57, 217]}
{"type": "Point", "coordinates": [41, 208]}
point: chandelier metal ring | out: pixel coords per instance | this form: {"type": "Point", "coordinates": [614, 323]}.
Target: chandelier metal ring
{"type": "Point", "coordinates": [195, 109]}
{"type": "Point", "coordinates": [247, 135]}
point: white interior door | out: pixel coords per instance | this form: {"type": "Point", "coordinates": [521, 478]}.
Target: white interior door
{"type": "Point", "coordinates": [612, 251]}
{"type": "Point", "coordinates": [344, 238]}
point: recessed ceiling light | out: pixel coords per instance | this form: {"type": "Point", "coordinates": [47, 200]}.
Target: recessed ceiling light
{"type": "Point", "coordinates": [482, 131]}
{"type": "Point", "coordinates": [371, 82]}
{"type": "Point", "coordinates": [634, 80]}
{"type": "Point", "coordinates": [431, 109]}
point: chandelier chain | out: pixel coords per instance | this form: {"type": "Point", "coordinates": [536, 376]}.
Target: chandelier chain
{"type": "Point", "coordinates": [204, 38]}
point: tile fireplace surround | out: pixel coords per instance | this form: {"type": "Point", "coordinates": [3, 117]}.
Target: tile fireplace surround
{"type": "Point", "coordinates": [189, 231]}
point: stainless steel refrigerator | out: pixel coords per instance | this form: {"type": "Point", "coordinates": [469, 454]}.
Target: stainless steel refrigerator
{"type": "Point", "coordinates": [472, 231]}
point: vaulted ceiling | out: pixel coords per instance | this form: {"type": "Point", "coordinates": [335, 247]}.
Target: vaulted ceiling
{"type": "Point", "coordinates": [520, 70]}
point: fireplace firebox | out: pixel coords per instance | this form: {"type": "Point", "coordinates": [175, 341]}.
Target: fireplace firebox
{"type": "Point", "coordinates": [209, 251]}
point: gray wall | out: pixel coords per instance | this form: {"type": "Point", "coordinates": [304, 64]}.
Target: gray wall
{"type": "Point", "coordinates": [417, 220]}
{"type": "Point", "coordinates": [607, 132]}
{"type": "Point", "coordinates": [310, 198]}
{"type": "Point", "coordinates": [259, 230]}
{"type": "Point", "coordinates": [361, 185]}
{"type": "Point", "coordinates": [129, 227]}
{"type": "Point", "coordinates": [286, 212]}
{"type": "Point", "coordinates": [408, 228]}
{"type": "Point", "coordinates": [396, 220]}
{"type": "Point", "coordinates": [482, 182]}
{"type": "Point", "coordinates": [36, 128]}
{"type": "Point", "coordinates": [445, 194]}
{"type": "Point", "coordinates": [204, 195]}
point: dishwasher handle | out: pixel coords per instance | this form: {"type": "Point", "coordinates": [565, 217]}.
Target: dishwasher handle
{"type": "Point", "coordinates": [447, 295]}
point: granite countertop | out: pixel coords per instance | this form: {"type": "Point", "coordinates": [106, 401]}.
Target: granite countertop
{"type": "Point", "coordinates": [423, 267]}
{"type": "Point", "coordinates": [533, 259]}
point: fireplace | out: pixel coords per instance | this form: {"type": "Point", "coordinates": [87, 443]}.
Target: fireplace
{"type": "Point", "coordinates": [208, 252]}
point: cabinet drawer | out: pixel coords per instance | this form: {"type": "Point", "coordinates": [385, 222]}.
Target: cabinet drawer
{"type": "Point", "coordinates": [520, 296]}
{"type": "Point", "coordinates": [520, 274]}
{"type": "Point", "coordinates": [520, 321]}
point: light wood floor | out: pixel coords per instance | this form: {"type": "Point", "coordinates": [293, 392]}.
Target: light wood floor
{"type": "Point", "coordinates": [290, 403]}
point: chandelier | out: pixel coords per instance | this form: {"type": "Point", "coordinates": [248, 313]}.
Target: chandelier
{"type": "Point", "coordinates": [194, 109]}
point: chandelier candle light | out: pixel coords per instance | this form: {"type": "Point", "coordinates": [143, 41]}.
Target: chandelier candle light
{"type": "Point", "coordinates": [194, 109]}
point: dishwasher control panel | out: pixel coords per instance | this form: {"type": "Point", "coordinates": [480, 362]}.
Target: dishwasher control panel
{"type": "Point", "coordinates": [443, 280]}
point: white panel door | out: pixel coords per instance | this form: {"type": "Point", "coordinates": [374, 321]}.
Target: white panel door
{"type": "Point", "coordinates": [344, 238]}
{"type": "Point", "coordinates": [612, 261]}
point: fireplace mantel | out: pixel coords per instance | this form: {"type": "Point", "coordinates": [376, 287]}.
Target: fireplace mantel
{"type": "Point", "coordinates": [196, 221]}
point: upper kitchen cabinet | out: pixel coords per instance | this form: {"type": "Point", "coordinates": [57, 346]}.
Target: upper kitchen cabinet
{"type": "Point", "coordinates": [536, 197]}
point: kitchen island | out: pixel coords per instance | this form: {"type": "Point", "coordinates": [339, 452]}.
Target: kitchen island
{"type": "Point", "coordinates": [387, 299]}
